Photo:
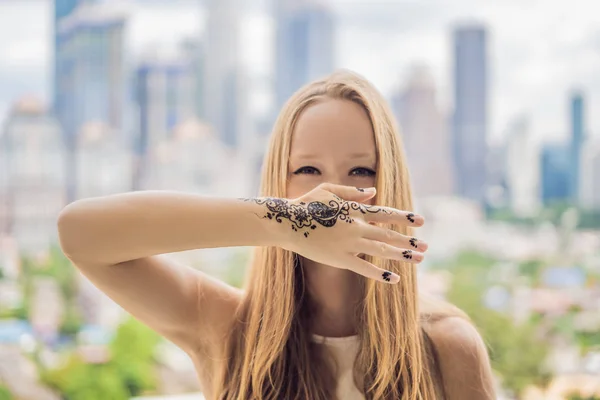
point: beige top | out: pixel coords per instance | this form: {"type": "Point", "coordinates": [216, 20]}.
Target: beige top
{"type": "Point", "coordinates": [344, 351]}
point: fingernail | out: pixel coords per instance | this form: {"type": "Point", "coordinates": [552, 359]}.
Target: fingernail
{"type": "Point", "coordinates": [415, 219]}
{"type": "Point", "coordinates": [390, 277]}
{"type": "Point", "coordinates": [418, 244]}
{"type": "Point", "coordinates": [369, 190]}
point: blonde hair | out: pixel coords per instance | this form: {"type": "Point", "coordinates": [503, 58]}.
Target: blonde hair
{"type": "Point", "coordinates": [271, 354]}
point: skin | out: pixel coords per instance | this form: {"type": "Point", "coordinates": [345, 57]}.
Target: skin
{"type": "Point", "coordinates": [322, 152]}
{"type": "Point", "coordinates": [116, 242]}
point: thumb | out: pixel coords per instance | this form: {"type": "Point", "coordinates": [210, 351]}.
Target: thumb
{"type": "Point", "coordinates": [350, 193]}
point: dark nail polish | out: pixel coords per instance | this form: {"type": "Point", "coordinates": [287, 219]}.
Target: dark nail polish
{"type": "Point", "coordinates": [386, 276]}
{"type": "Point", "coordinates": [407, 254]}
{"type": "Point", "coordinates": [411, 217]}
{"type": "Point", "coordinates": [413, 242]}
{"type": "Point", "coordinates": [360, 189]}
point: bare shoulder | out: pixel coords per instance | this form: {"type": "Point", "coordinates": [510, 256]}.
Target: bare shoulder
{"type": "Point", "coordinates": [463, 359]}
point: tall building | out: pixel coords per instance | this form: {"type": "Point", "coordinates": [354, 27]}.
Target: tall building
{"type": "Point", "coordinates": [589, 188]}
{"type": "Point", "coordinates": [166, 96]}
{"type": "Point", "coordinates": [522, 169]}
{"type": "Point", "coordinates": [577, 140]}
{"type": "Point", "coordinates": [555, 164]}
{"type": "Point", "coordinates": [90, 85]}
{"type": "Point", "coordinates": [470, 111]}
{"type": "Point", "coordinates": [103, 163]}
{"type": "Point", "coordinates": [305, 44]}
{"type": "Point", "coordinates": [424, 131]}
{"type": "Point", "coordinates": [194, 159]}
{"type": "Point", "coordinates": [62, 9]}
{"type": "Point", "coordinates": [32, 176]}
{"type": "Point", "coordinates": [225, 102]}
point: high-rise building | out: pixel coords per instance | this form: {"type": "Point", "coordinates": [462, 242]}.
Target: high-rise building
{"type": "Point", "coordinates": [103, 163]}
{"type": "Point", "coordinates": [589, 188]}
{"type": "Point", "coordinates": [166, 96]}
{"type": "Point", "coordinates": [32, 176]}
{"type": "Point", "coordinates": [555, 163]}
{"type": "Point", "coordinates": [225, 102]}
{"type": "Point", "coordinates": [90, 85]}
{"type": "Point", "coordinates": [424, 131]}
{"type": "Point", "coordinates": [522, 169]}
{"type": "Point", "coordinates": [470, 111]}
{"type": "Point", "coordinates": [62, 9]}
{"type": "Point", "coordinates": [577, 139]}
{"type": "Point", "coordinates": [305, 44]}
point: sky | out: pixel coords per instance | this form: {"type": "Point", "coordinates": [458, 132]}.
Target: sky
{"type": "Point", "coordinates": [539, 51]}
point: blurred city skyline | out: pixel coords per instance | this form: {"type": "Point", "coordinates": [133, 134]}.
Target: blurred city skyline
{"type": "Point", "coordinates": [534, 65]}
{"type": "Point", "coordinates": [496, 107]}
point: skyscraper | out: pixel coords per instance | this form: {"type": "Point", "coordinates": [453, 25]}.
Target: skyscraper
{"type": "Point", "coordinates": [225, 102]}
{"type": "Point", "coordinates": [62, 8]}
{"type": "Point", "coordinates": [305, 50]}
{"type": "Point", "coordinates": [555, 162]}
{"type": "Point", "coordinates": [166, 96]}
{"type": "Point", "coordinates": [522, 168]}
{"type": "Point", "coordinates": [424, 131]}
{"type": "Point", "coordinates": [577, 139]}
{"type": "Point", "coordinates": [32, 177]}
{"type": "Point", "coordinates": [589, 189]}
{"type": "Point", "coordinates": [470, 111]}
{"type": "Point", "coordinates": [91, 75]}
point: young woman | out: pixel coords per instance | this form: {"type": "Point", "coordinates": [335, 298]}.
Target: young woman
{"type": "Point", "coordinates": [330, 309]}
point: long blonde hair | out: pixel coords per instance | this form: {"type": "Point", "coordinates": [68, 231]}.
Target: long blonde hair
{"type": "Point", "coordinates": [270, 351]}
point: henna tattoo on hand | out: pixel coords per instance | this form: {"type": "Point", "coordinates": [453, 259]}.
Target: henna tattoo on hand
{"type": "Point", "coordinates": [410, 217]}
{"type": "Point", "coordinates": [413, 242]}
{"type": "Point", "coordinates": [386, 276]}
{"type": "Point", "coordinates": [407, 254]}
{"type": "Point", "coordinates": [305, 217]}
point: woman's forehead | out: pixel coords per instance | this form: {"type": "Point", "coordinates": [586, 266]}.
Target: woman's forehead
{"type": "Point", "coordinates": [333, 126]}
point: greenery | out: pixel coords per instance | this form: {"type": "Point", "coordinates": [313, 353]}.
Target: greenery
{"type": "Point", "coordinates": [129, 371]}
{"type": "Point", "coordinates": [235, 272]}
{"type": "Point", "coordinates": [5, 394]}
{"type": "Point", "coordinates": [59, 268]}
{"type": "Point", "coordinates": [577, 396]}
{"type": "Point", "coordinates": [588, 219]}
{"type": "Point", "coordinates": [506, 340]}
{"type": "Point", "coordinates": [532, 269]}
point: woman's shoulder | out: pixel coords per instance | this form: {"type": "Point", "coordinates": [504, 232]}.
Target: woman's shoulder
{"type": "Point", "coordinates": [448, 327]}
{"type": "Point", "coordinates": [461, 352]}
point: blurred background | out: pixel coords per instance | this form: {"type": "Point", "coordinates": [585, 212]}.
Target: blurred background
{"type": "Point", "coordinates": [495, 101]}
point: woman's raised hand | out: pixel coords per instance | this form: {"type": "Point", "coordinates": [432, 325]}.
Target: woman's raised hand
{"type": "Point", "coordinates": [331, 225]}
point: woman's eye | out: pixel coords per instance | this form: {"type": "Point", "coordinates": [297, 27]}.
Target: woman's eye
{"type": "Point", "coordinates": [362, 172]}
{"type": "Point", "coordinates": [307, 170]}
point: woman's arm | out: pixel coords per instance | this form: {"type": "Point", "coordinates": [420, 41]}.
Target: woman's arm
{"type": "Point", "coordinates": [115, 241]}
{"type": "Point", "coordinates": [114, 229]}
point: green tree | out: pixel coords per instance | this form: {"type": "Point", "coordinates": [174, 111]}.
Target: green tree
{"type": "Point", "coordinates": [506, 341]}
{"type": "Point", "coordinates": [133, 356]}
{"type": "Point", "coordinates": [5, 393]}
{"type": "Point", "coordinates": [128, 373]}
{"type": "Point", "coordinates": [577, 396]}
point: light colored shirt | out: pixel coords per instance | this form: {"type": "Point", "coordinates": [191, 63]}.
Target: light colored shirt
{"type": "Point", "coordinates": [344, 351]}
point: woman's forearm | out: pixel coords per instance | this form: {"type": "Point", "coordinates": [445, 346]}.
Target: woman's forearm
{"type": "Point", "coordinates": [128, 226]}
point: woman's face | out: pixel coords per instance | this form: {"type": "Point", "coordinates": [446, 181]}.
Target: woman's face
{"type": "Point", "coordinates": [333, 142]}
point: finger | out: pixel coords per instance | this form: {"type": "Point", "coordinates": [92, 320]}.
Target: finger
{"type": "Point", "coordinates": [388, 215]}
{"type": "Point", "coordinates": [370, 271]}
{"type": "Point", "coordinates": [349, 193]}
{"type": "Point", "coordinates": [384, 250]}
{"type": "Point", "coordinates": [394, 238]}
